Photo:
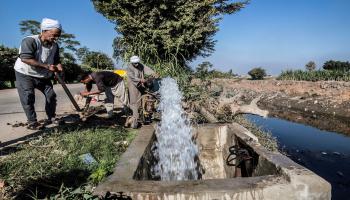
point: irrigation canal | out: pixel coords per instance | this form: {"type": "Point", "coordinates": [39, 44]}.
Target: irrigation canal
{"type": "Point", "coordinates": [323, 152]}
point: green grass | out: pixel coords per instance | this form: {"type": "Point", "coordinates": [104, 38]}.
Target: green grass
{"type": "Point", "coordinates": [41, 167]}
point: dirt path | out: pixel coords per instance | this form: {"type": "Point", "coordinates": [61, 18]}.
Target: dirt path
{"type": "Point", "coordinates": [11, 111]}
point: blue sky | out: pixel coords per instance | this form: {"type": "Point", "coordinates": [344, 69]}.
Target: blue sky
{"type": "Point", "coordinates": [273, 34]}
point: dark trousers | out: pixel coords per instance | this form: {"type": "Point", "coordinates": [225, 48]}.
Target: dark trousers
{"type": "Point", "coordinates": [25, 86]}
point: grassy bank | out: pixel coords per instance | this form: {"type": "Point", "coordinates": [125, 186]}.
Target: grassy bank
{"type": "Point", "coordinates": [51, 166]}
{"type": "Point", "coordinates": [265, 138]}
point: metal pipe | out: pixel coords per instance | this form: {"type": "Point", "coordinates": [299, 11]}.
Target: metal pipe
{"type": "Point", "coordinates": [65, 88]}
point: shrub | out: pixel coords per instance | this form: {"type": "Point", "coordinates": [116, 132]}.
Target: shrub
{"type": "Point", "coordinates": [310, 66]}
{"type": "Point", "coordinates": [257, 73]}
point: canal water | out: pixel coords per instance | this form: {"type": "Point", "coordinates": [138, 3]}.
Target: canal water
{"type": "Point", "coordinates": [323, 152]}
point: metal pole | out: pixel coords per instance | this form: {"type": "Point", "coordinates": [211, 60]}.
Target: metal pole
{"type": "Point", "coordinates": [65, 88]}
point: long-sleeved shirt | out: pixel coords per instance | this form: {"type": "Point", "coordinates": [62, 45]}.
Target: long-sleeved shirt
{"type": "Point", "coordinates": [136, 74]}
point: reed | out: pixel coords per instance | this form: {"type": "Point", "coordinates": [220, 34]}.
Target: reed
{"type": "Point", "coordinates": [319, 75]}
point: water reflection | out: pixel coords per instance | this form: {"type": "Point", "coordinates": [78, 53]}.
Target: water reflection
{"type": "Point", "coordinates": [324, 122]}
{"type": "Point", "coordinates": [325, 153]}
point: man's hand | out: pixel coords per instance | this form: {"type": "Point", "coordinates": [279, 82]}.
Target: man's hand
{"type": "Point", "coordinates": [59, 68]}
{"type": "Point", "coordinates": [155, 75]}
{"type": "Point", "coordinates": [142, 82]}
{"type": "Point", "coordinates": [55, 68]}
{"type": "Point", "coordinates": [52, 68]}
{"type": "Point", "coordinates": [84, 93]}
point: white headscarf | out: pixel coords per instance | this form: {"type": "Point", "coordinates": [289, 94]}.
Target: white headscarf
{"type": "Point", "coordinates": [48, 24]}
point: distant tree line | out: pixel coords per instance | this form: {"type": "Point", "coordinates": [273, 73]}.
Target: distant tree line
{"type": "Point", "coordinates": [203, 72]}
{"type": "Point", "coordinates": [337, 65]}
{"type": "Point", "coordinates": [70, 54]}
{"type": "Point", "coordinates": [331, 70]}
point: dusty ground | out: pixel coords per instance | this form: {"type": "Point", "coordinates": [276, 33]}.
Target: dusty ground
{"type": "Point", "coordinates": [324, 104]}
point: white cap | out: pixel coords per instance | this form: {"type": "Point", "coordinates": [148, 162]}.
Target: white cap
{"type": "Point", "coordinates": [48, 24]}
{"type": "Point", "coordinates": [134, 59]}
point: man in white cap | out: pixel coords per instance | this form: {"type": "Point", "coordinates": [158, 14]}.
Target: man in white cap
{"type": "Point", "coordinates": [38, 60]}
{"type": "Point", "coordinates": [136, 78]}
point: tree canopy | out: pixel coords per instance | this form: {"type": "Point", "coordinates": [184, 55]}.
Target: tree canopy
{"type": "Point", "coordinates": [175, 31]}
{"type": "Point", "coordinates": [310, 66]}
{"type": "Point", "coordinates": [257, 73]}
{"type": "Point", "coordinates": [94, 59]}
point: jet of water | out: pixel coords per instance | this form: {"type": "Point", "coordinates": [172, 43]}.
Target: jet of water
{"type": "Point", "coordinates": [175, 149]}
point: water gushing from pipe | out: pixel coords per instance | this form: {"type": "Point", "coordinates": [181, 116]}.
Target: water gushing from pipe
{"type": "Point", "coordinates": [174, 147]}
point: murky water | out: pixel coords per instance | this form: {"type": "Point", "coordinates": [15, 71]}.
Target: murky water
{"type": "Point", "coordinates": [325, 153]}
{"type": "Point", "coordinates": [174, 147]}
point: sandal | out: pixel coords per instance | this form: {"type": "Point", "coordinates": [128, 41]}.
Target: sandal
{"type": "Point", "coordinates": [34, 126]}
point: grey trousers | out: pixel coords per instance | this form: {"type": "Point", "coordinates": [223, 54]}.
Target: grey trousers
{"type": "Point", "coordinates": [118, 92]}
{"type": "Point", "coordinates": [25, 86]}
{"type": "Point", "coordinates": [135, 101]}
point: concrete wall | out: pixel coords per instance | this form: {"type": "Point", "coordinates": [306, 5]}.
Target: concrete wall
{"type": "Point", "coordinates": [292, 181]}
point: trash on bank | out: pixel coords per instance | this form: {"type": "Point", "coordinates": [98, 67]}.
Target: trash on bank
{"type": "Point", "coordinates": [88, 159]}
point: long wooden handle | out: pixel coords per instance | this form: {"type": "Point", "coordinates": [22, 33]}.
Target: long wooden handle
{"type": "Point", "coordinates": [65, 88]}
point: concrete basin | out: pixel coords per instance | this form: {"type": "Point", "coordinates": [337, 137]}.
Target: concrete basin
{"type": "Point", "coordinates": [231, 165]}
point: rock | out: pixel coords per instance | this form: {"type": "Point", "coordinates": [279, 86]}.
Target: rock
{"type": "Point", "coordinates": [336, 153]}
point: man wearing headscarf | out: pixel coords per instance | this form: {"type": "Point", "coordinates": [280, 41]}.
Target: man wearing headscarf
{"type": "Point", "coordinates": [136, 72]}
{"type": "Point", "coordinates": [38, 60]}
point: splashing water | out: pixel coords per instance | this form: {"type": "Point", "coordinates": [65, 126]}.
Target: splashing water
{"type": "Point", "coordinates": [174, 147]}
